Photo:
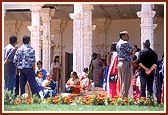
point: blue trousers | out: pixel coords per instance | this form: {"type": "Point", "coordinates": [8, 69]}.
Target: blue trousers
{"type": "Point", "coordinates": [28, 74]}
{"type": "Point", "coordinates": [47, 93]}
{"type": "Point", "coordinates": [10, 82]}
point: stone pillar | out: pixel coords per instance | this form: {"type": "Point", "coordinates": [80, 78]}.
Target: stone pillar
{"type": "Point", "coordinates": [78, 37]}
{"type": "Point", "coordinates": [35, 29]}
{"type": "Point", "coordinates": [100, 43]}
{"type": "Point", "coordinates": [57, 26]}
{"type": "Point", "coordinates": [87, 34]}
{"type": "Point", "coordinates": [146, 14]}
{"type": "Point", "coordinates": [46, 38]}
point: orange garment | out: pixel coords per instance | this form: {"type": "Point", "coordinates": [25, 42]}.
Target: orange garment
{"type": "Point", "coordinates": [75, 84]}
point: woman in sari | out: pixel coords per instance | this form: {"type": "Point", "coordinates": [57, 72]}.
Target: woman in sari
{"type": "Point", "coordinates": [113, 63]}
{"type": "Point", "coordinates": [55, 71]}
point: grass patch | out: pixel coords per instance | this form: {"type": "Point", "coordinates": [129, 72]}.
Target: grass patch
{"type": "Point", "coordinates": [78, 108]}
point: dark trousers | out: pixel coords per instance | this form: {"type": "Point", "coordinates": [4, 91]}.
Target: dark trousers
{"type": "Point", "coordinates": [28, 74]}
{"type": "Point", "coordinates": [17, 85]}
{"type": "Point", "coordinates": [159, 85]}
{"type": "Point", "coordinates": [146, 80]}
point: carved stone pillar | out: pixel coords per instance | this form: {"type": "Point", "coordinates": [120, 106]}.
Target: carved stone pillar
{"type": "Point", "coordinates": [57, 26]}
{"type": "Point", "coordinates": [100, 35]}
{"type": "Point", "coordinates": [35, 29]}
{"type": "Point", "coordinates": [87, 42]}
{"type": "Point", "coordinates": [46, 38]}
{"type": "Point", "coordinates": [146, 14]}
{"type": "Point", "coordinates": [78, 37]}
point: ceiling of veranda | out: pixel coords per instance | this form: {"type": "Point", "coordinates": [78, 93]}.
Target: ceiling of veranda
{"type": "Point", "coordinates": [112, 11]}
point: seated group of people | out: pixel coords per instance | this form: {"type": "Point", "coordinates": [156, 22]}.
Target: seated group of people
{"type": "Point", "coordinates": [77, 85]}
{"type": "Point", "coordinates": [46, 86]}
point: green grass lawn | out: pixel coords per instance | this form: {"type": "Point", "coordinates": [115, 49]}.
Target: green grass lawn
{"type": "Point", "coordinates": [79, 108]}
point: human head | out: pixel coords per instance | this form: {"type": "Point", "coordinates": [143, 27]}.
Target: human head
{"type": "Point", "coordinates": [13, 40]}
{"type": "Point", "coordinates": [26, 39]}
{"type": "Point", "coordinates": [74, 75]}
{"type": "Point", "coordinates": [113, 46]}
{"type": "Point", "coordinates": [94, 55]}
{"type": "Point", "coordinates": [146, 43]}
{"type": "Point", "coordinates": [56, 59]}
{"type": "Point", "coordinates": [124, 35]}
{"type": "Point", "coordinates": [39, 64]}
{"type": "Point", "coordinates": [85, 70]}
{"type": "Point", "coordinates": [39, 74]}
{"type": "Point", "coordinates": [48, 76]}
{"type": "Point", "coordinates": [135, 46]}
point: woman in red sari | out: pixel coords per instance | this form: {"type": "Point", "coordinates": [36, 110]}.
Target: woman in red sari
{"type": "Point", "coordinates": [113, 63]}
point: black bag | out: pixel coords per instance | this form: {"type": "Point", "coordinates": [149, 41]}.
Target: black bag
{"type": "Point", "coordinates": [113, 78]}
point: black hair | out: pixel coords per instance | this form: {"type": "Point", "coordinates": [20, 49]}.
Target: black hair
{"type": "Point", "coordinates": [26, 39]}
{"type": "Point", "coordinates": [39, 62]}
{"type": "Point", "coordinates": [94, 55]}
{"type": "Point", "coordinates": [56, 57]}
{"type": "Point", "coordinates": [75, 74]}
{"type": "Point", "coordinates": [120, 35]}
{"type": "Point", "coordinates": [113, 46]}
{"type": "Point", "coordinates": [38, 72]}
{"type": "Point", "coordinates": [136, 46]}
{"type": "Point", "coordinates": [138, 49]}
{"type": "Point", "coordinates": [85, 69]}
{"type": "Point", "coordinates": [12, 39]}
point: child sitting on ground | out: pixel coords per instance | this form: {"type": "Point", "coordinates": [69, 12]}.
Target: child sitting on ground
{"type": "Point", "coordinates": [39, 80]}
{"type": "Point", "coordinates": [49, 86]}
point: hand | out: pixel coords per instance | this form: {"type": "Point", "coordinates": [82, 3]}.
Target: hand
{"type": "Point", "coordinates": [148, 71]}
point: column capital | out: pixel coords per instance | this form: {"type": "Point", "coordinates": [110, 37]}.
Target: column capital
{"type": "Point", "coordinates": [35, 28]}
{"type": "Point", "coordinates": [52, 12]}
{"type": "Point", "coordinates": [146, 14]}
{"type": "Point", "coordinates": [76, 16]}
{"type": "Point", "coordinates": [88, 7]}
{"type": "Point", "coordinates": [45, 14]}
{"type": "Point", "coordinates": [36, 7]}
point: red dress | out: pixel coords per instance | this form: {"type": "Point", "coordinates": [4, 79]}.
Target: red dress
{"type": "Point", "coordinates": [112, 87]}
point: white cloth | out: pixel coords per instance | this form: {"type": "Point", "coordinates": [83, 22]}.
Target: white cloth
{"type": "Point", "coordinates": [54, 65]}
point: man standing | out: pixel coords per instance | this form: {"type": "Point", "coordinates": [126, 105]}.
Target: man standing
{"type": "Point", "coordinates": [25, 61]}
{"type": "Point", "coordinates": [9, 66]}
{"type": "Point", "coordinates": [148, 62]}
{"type": "Point", "coordinates": [124, 50]}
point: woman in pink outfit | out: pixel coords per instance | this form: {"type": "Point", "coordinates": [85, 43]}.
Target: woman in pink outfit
{"type": "Point", "coordinates": [113, 63]}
